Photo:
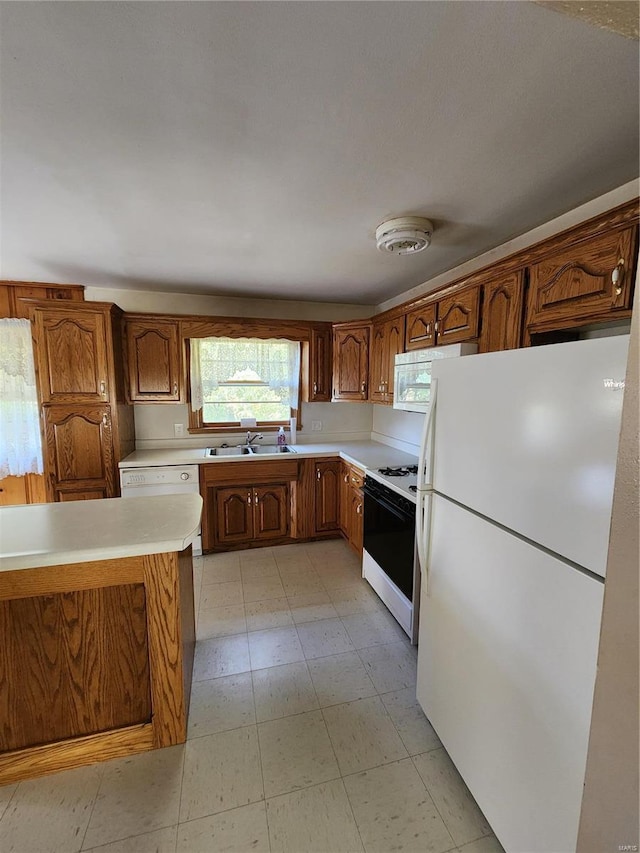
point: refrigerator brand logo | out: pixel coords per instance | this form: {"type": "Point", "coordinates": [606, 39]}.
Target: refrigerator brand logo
{"type": "Point", "coordinates": [614, 384]}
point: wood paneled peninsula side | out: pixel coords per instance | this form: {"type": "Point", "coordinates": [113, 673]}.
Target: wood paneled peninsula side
{"type": "Point", "coordinates": [97, 630]}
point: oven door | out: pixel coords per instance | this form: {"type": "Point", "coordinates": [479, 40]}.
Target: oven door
{"type": "Point", "coordinates": [389, 538]}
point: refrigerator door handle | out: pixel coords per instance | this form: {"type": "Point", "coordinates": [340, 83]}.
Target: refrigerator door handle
{"type": "Point", "coordinates": [426, 443]}
{"type": "Point", "coordinates": [423, 532]}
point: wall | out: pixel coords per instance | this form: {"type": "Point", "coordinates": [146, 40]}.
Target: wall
{"type": "Point", "coordinates": [339, 422]}
{"type": "Point", "coordinates": [156, 302]}
{"type": "Point", "coordinates": [610, 814]}
{"type": "Point", "coordinates": [399, 429]}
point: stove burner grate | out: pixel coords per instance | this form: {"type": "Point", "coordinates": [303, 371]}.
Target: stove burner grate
{"type": "Point", "coordinates": [402, 471]}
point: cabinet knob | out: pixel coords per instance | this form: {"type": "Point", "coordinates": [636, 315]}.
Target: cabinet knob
{"type": "Point", "coordinates": [104, 420]}
{"type": "Point", "coordinates": [346, 478]}
{"type": "Point", "coordinates": [359, 509]}
{"type": "Point", "coordinates": [617, 275]}
{"type": "Point", "coordinates": [318, 475]}
{"type": "Point", "coordinates": [363, 389]}
{"type": "Point", "coordinates": [249, 498]}
{"type": "Point", "coordinates": [315, 387]}
{"type": "Point", "coordinates": [175, 389]}
{"type": "Point", "coordinates": [255, 498]}
{"type": "Point", "coordinates": [103, 388]}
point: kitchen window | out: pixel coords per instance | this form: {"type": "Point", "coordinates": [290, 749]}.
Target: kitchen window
{"type": "Point", "coordinates": [235, 378]}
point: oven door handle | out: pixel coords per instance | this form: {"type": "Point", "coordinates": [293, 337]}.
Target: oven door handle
{"type": "Point", "coordinates": [394, 510]}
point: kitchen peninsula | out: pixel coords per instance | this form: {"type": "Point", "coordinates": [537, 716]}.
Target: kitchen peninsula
{"type": "Point", "coordinates": [96, 630]}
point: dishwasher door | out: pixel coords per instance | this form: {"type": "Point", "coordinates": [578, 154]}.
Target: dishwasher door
{"type": "Point", "coordinates": [166, 480]}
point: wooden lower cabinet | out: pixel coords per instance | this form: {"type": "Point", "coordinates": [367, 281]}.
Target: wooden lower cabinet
{"type": "Point", "coordinates": [351, 505]}
{"type": "Point", "coordinates": [326, 503]}
{"type": "Point", "coordinates": [246, 513]}
{"type": "Point", "coordinates": [29, 489]}
{"type": "Point", "coordinates": [96, 661]}
{"type": "Point", "coordinates": [79, 452]}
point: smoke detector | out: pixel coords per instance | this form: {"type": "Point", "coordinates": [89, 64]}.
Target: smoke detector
{"type": "Point", "coordinates": [405, 235]}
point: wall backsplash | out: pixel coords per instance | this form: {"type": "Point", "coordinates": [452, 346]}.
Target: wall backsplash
{"type": "Point", "coordinates": [155, 425]}
{"type": "Point", "coordinates": [397, 428]}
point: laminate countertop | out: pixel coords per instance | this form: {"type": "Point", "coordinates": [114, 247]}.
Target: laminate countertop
{"type": "Point", "coordinates": [366, 454]}
{"type": "Point", "coordinates": [84, 531]}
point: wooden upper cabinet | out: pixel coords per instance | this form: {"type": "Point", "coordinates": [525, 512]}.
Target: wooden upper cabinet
{"type": "Point", "coordinates": [590, 280]}
{"type": "Point", "coordinates": [502, 313]}
{"type": "Point", "coordinates": [351, 362]}
{"type": "Point", "coordinates": [387, 339]}
{"type": "Point", "coordinates": [420, 328]}
{"type": "Point", "coordinates": [153, 360]}
{"type": "Point", "coordinates": [80, 452]}
{"type": "Point", "coordinates": [458, 317]}
{"type": "Point", "coordinates": [13, 296]}
{"type": "Point", "coordinates": [72, 354]}
{"type": "Point", "coordinates": [320, 365]}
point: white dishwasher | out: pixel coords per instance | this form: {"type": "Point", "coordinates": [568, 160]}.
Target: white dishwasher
{"type": "Point", "coordinates": [165, 480]}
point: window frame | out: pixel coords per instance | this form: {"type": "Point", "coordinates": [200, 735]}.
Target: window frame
{"type": "Point", "coordinates": [198, 425]}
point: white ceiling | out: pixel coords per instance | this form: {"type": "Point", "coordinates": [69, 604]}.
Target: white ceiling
{"type": "Point", "coordinates": [252, 148]}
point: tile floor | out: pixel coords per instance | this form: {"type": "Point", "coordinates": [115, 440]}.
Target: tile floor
{"type": "Point", "coordinates": [304, 734]}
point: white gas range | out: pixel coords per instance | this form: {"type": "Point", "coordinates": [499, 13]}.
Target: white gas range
{"type": "Point", "coordinates": [388, 559]}
{"type": "Point", "coordinates": [401, 479]}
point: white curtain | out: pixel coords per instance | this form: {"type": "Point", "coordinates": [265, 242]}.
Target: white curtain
{"type": "Point", "coordinates": [219, 359]}
{"type": "Point", "coordinates": [20, 444]}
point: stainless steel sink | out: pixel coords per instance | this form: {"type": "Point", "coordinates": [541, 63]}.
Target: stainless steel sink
{"type": "Point", "coordinates": [249, 450]}
{"type": "Point", "coordinates": [265, 449]}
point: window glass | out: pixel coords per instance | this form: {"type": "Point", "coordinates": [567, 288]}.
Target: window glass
{"type": "Point", "coordinates": [234, 378]}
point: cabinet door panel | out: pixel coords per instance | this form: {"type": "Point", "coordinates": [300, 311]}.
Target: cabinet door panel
{"type": "Point", "coordinates": [153, 361]}
{"type": "Point", "coordinates": [326, 496]}
{"type": "Point", "coordinates": [420, 328]}
{"type": "Point", "coordinates": [502, 313]}
{"type": "Point", "coordinates": [395, 345]}
{"type": "Point", "coordinates": [377, 366]}
{"type": "Point", "coordinates": [351, 364]}
{"type": "Point", "coordinates": [345, 506]}
{"type": "Point", "coordinates": [71, 353]}
{"type": "Point", "coordinates": [233, 513]}
{"type": "Point", "coordinates": [320, 366]}
{"type": "Point", "coordinates": [357, 523]}
{"type": "Point", "coordinates": [271, 511]}
{"type": "Point", "coordinates": [458, 317]}
{"type": "Point", "coordinates": [584, 281]}
{"type": "Point", "coordinates": [79, 449]}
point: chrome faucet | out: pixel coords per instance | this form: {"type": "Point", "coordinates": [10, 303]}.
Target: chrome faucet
{"type": "Point", "coordinates": [250, 439]}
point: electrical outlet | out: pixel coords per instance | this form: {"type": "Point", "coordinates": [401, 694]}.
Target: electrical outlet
{"type": "Point", "coordinates": [178, 430]}
{"type": "Point", "coordinates": [316, 426]}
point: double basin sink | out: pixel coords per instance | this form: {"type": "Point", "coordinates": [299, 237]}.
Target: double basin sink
{"type": "Point", "coordinates": [249, 450]}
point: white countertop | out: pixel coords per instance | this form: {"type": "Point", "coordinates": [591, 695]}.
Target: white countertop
{"type": "Point", "coordinates": [83, 531]}
{"type": "Point", "coordinates": [366, 454]}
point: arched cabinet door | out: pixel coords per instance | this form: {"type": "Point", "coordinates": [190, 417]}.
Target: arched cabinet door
{"type": "Point", "coordinates": [502, 313]}
{"type": "Point", "coordinates": [271, 511]}
{"type": "Point", "coordinates": [79, 451]}
{"type": "Point", "coordinates": [72, 355]}
{"type": "Point", "coordinates": [153, 361]}
{"type": "Point", "coordinates": [233, 514]}
{"type": "Point", "coordinates": [590, 279]}
{"type": "Point", "coordinates": [351, 362]}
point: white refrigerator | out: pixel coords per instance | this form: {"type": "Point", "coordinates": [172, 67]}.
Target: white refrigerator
{"type": "Point", "coordinates": [514, 504]}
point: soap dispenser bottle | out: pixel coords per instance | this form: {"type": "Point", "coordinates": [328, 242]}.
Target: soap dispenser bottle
{"type": "Point", "coordinates": [282, 438]}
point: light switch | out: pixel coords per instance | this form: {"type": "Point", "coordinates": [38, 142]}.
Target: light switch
{"type": "Point", "coordinates": [316, 426]}
{"type": "Point", "coordinates": [178, 430]}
